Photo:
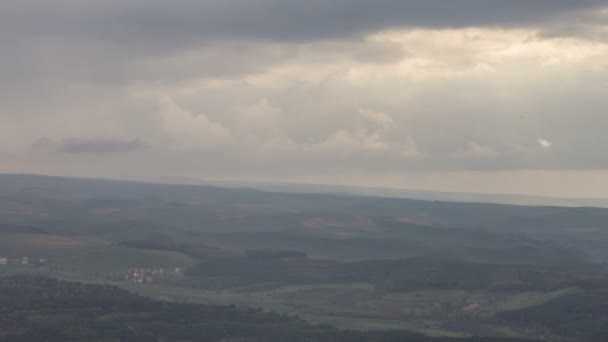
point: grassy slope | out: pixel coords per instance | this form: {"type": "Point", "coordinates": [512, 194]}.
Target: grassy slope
{"type": "Point", "coordinates": [84, 255]}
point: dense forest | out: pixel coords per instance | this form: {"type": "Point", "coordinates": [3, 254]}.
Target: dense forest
{"type": "Point", "coordinates": [42, 309]}
{"type": "Point", "coordinates": [583, 317]}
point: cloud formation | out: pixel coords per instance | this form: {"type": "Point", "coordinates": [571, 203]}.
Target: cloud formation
{"type": "Point", "coordinates": [88, 146]}
{"type": "Point", "coordinates": [131, 39]}
{"type": "Point", "coordinates": [307, 90]}
{"type": "Point", "coordinates": [545, 144]}
{"type": "Point", "coordinates": [158, 20]}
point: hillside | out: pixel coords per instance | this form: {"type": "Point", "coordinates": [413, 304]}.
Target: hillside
{"type": "Point", "coordinates": [367, 264]}
{"type": "Point", "coordinates": [41, 309]}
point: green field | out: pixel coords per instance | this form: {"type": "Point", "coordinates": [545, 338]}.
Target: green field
{"type": "Point", "coordinates": [120, 259]}
{"type": "Point", "coordinates": [441, 269]}
{"type": "Point", "coordinates": [14, 245]}
{"type": "Point", "coordinates": [525, 300]}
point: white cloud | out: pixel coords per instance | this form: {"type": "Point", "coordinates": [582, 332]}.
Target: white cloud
{"type": "Point", "coordinates": [346, 141]}
{"type": "Point", "coordinates": [475, 150]}
{"type": "Point", "coordinates": [260, 122]}
{"type": "Point", "coordinates": [545, 144]}
{"type": "Point", "coordinates": [382, 120]}
{"type": "Point", "coordinates": [191, 131]}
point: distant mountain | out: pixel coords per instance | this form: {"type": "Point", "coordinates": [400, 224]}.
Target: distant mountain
{"type": "Point", "coordinates": [425, 195]}
{"type": "Point", "coordinates": [327, 189]}
{"type": "Point", "coordinates": [334, 223]}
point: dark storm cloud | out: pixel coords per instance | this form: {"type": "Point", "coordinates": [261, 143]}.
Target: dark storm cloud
{"type": "Point", "coordinates": [89, 146]}
{"type": "Point", "coordinates": [588, 25]}
{"type": "Point", "coordinates": [106, 41]}
{"type": "Point", "coordinates": [183, 21]}
{"type": "Point", "coordinates": [100, 146]}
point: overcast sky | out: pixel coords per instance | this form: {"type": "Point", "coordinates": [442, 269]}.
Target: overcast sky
{"type": "Point", "coordinates": [460, 95]}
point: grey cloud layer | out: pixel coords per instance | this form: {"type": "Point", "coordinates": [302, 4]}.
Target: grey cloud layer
{"type": "Point", "coordinates": [242, 88]}
{"type": "Point", "coordinates": [119, 41]}
{"type": "Point", "coordinates": [93, 146]}
{"type": "Point", "coordinates": [178, 21]}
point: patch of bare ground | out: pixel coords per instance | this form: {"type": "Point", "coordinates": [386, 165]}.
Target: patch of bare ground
{"type": "Point", "coordinates": [358, 223]}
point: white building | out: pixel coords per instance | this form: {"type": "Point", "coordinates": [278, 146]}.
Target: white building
{"type": "Point", "coordinates": [3, 261]}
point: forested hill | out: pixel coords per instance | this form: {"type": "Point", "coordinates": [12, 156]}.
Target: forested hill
{"type": "Point", "coordinates": [120, 211]}
{"type": "Point", "coordinates": [42, 309]}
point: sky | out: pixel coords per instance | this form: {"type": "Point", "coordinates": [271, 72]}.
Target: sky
{"type": "Point", "coordinates": [486, 96]}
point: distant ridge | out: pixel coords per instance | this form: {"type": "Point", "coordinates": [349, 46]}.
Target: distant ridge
{"type": "Point", "coordinates": [346, 190]}
{"type": "Point", "coordinates": [424, 195]}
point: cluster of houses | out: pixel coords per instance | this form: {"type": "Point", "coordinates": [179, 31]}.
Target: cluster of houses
{"type": "Point", "coordinates": [147, 275]}
{"type": "Point", "coordinates": [20, 261]}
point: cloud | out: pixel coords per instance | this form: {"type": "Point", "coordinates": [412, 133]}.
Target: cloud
{"type": "Point", "coordinates": [176, 22]}
{"type": "Point", "coordinates": [355, 141]}
{"type": "Point", "coordinates": [269, 88]}
{"type": "Point", "coordinates": [188, 130]}
{"type": "Point", "coordinates": [96, 146]}
{"type": "Point", "coordinates": [260, 122]}
{"type": "Point", "coordinates": [382, 120]}
{"type": "Point", "coordinates": [379, 52]}
{"type": "Point", "coordinates": [435, 109]}
{"type": "Point", "coordinates": [591, 25]}
{"type": "Point", "coordinates": [141, 39]}
{"type": "Point", "coordinates": [475, 150]}
{"type": "Point", "coordinates": [545, 144]}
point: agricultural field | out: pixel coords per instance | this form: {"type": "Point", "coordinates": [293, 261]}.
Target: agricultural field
{"type": "Point", "coordinates": [15, 245]}
{"type": "Point", "coordinates": [365, 264]}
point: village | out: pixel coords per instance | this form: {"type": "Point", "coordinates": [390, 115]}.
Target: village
{"type": "Point", "coordinates": [135, 275]}
{"type": "Point", "coordinates": [148, 275]}
{"type": "Point", "coordinates": [22, 261]}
